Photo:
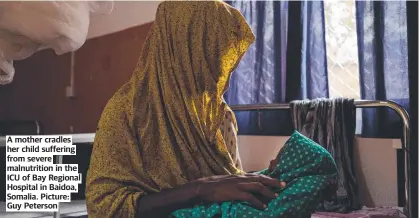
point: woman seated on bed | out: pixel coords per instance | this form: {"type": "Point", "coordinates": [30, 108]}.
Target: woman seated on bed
{"type": "Point", "coordinates": [161, 148]}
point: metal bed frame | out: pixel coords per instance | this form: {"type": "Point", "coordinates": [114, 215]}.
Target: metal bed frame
{"type": "Point", "coordinates": [405, 140]}
{"type": "Point", "coordinates": [89, 137]}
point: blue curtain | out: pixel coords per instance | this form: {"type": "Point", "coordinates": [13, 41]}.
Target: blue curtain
{"type": "Point", "coordinates": [383, 63]}
{"type": "Point", "coordinates": [287, 62]}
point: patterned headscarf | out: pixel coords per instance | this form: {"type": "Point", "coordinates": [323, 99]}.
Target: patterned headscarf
{"type": "Point", "coordinates": [161, 129]}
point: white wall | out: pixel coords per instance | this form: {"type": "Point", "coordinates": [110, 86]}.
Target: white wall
{"type": "Point", "coordinates": [375, 158]}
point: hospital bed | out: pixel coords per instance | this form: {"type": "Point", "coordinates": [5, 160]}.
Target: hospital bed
{"type": "Point", "coordinates": [78, 209]}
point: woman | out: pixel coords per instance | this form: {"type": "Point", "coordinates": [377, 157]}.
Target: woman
{"type": "Point", "coordinates": [158, 146]}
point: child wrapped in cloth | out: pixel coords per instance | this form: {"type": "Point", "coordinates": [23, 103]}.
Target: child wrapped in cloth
{"type": "Point", "coordinates": [307, 168]}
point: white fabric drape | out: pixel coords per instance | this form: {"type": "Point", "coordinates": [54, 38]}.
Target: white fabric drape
{"type": "Point", "coordinates": [27, 27]}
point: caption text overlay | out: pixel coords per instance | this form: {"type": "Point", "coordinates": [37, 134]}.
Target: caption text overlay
{"type": "Point", "coordinates": [33, 182]}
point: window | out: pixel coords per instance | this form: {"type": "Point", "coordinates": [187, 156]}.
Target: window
{"type": "Point", "coordinates": [342, 52]}
{"type": "Point", "coordinates": [342, 49]}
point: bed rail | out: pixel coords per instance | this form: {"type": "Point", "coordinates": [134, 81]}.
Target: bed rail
{"type": "Point", "coordinates": [89, 137]}
{"type": "Point", "coordinates": [404, 116]}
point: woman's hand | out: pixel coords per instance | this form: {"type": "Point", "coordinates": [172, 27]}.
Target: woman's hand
{"type": "Point", "coordinates": [252, 188]}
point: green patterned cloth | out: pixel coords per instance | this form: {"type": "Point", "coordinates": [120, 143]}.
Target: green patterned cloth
{"type": "Point", "coordinates": [307, 168]}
